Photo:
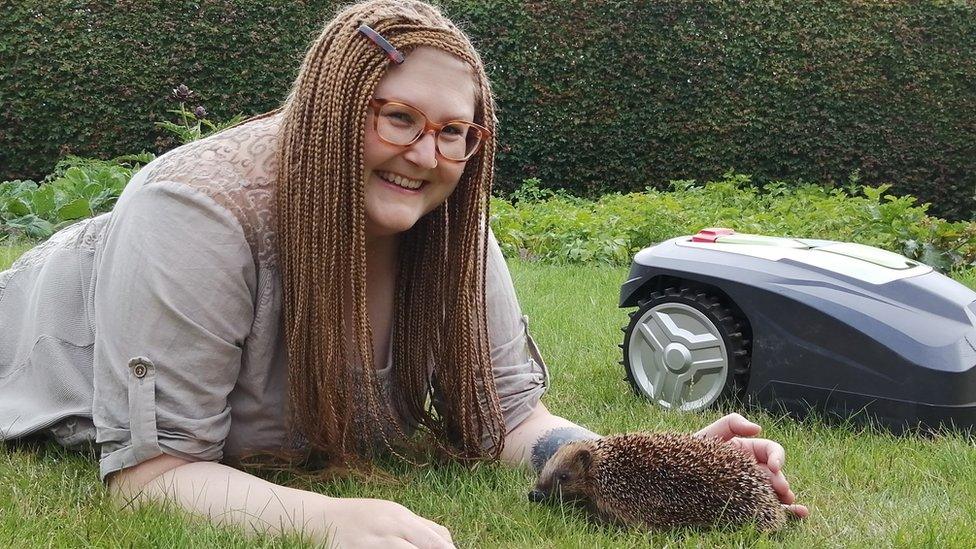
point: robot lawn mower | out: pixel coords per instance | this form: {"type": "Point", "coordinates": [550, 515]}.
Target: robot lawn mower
{"type": "Point", "coordinates": [798, 324]}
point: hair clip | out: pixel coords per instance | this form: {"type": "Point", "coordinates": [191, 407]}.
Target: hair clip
{"type": "Point", "coordinates": [391, 52]}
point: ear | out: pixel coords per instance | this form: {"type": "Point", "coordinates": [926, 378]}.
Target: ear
{"type": "Point", "coordinates": [583, 459]}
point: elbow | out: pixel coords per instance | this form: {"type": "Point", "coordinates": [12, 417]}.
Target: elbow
{"type": "Point", "coordinates": [539, 415]}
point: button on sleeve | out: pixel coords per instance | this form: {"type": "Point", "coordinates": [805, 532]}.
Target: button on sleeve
{"type": "Point", "coordinates": [173, 304]}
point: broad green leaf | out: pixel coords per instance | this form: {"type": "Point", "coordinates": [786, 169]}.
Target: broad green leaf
{"type": "Point", "coordinates": [43, 200]}
{"type": "Point", "coordinates": [17, 206]}
{"type": "Point", "coordinates": [23, 187]}
{"type": "Point", "coordinates": [76, 209]}
{"type": "Point", "coordinates": [77, 176]}
{"type": "Point", "coordinates": [91, 189]}
{"type": "Point", "coordinates": [934, 258]}
{"type": "Point", "coordinates": [33, 226]}
{"type": "Point", "coordinates": [104, 198]}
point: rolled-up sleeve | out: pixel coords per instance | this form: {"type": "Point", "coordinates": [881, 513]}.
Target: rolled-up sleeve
{"type": "Point", "coordinates": [521, 376]}
{"type": "Point", "coordinates": [173, 304]}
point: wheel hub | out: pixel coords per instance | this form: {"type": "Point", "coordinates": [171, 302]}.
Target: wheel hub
{"type": "Point", "coordinates": [677, 357]}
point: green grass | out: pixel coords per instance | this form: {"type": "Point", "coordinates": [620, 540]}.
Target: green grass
{"type": "Point", "coordinates": [10, 252]}
{"type": "Point", "coordinates": [865, 488]}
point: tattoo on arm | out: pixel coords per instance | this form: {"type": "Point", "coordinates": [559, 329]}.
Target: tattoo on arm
{"type": "Point", "coordinates": [553, 439]}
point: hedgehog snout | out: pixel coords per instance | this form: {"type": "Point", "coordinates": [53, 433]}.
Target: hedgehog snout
{"type": "Point", "coordinates": [537, 496]}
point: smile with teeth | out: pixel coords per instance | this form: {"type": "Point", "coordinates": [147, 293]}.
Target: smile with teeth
{"type": "Point", "coordinates": [400, 181]}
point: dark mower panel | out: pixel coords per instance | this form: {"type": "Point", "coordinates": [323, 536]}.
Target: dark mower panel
{"type": "Point", "coordinates": [850, 332]}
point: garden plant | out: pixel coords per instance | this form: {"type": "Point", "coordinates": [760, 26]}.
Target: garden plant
{"type": "Point", "coordinates": [846, 121]}
{"type": "Point", "coordinates": [568, 257]}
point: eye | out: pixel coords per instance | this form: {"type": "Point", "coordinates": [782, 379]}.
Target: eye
{"type": "Point", "coordinates": [563, 477]}
{"type": "Point", "coordinates": [400, 117]}
{"type": "Point", "coordinates": [454, 130]}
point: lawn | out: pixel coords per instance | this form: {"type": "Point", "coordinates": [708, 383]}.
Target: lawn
{"type": "Point", "coordinates": [864, 488]}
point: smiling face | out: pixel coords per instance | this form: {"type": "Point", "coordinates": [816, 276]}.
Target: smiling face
{"type": "Point", "coordinates": [442, 86]}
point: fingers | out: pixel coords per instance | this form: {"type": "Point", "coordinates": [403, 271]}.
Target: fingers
{"type": "Point", "coordinates": [779, 484]}
{"type": "Point", "coordinates": [770, 457]}
{"type": "Point", "coordinates": [427, 538]}
{"type": "Point", "coordinates": [732, 425]}
{"type": "Point", "coordinates": [797, 511]}
{"type": "Point", "coordinates": [766, 452]}
{"type": "Point", "coordinates": [441, 531]}
{"type": "Point", "coordinates": [741, 427]}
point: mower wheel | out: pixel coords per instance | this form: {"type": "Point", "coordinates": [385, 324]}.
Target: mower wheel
{"type": "Point", "coordinates": [684, 349]}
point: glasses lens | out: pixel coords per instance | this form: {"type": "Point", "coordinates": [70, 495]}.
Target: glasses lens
{"type": "Point", "coordinates": [399, 124]}
{"type": "Point", "coordinates": [458, 140]}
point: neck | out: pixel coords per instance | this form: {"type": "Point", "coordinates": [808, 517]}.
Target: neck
{"type": "Point", "coordinates": [381, 254]}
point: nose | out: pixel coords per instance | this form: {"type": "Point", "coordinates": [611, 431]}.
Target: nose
{"type": "Point", "coordinates": [423, 152]}
{"type": "Point", "coordinates": [537, 496]}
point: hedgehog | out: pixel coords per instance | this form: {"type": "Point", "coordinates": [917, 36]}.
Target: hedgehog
{"type": "Point", "coordinates": [661, 481]}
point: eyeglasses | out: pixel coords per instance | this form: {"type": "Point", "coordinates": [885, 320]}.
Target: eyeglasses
{"type": "Point", "coordinates": [400, 124]}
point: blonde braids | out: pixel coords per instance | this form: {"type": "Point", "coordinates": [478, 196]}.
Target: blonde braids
{"type": "Point", "coordinates": [335, 400]}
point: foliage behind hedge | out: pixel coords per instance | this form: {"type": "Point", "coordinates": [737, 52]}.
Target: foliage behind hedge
{"type": "Point", "coordinates": [595, 96]}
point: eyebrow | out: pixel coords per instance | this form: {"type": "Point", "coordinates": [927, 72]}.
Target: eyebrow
{"type": "Point", "coordinates": [452, 117]}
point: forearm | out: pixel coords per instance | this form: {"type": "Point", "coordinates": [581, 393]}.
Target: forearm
{"type": "Point", "coordinates": [226, 496]}
{"type": "Point", "coordinates": [537, 438]}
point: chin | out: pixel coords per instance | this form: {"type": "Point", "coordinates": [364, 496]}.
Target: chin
{"type": "Point", "coordinates": [390, 227]}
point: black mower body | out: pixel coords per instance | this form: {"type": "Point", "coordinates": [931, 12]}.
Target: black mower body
{"type": "Point", "coordinates": [839, 333]}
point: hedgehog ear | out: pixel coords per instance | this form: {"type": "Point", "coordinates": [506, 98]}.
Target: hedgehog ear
{"type": "Point", "coordinates": [584, 459]}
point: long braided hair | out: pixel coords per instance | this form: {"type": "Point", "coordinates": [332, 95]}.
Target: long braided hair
{"type": "Point", "coordinates": [439, 323]}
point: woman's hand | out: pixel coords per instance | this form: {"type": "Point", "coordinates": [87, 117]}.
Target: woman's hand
{"type": "Point", "coordinates": [770, 456]}
{"type": "Point", "coordinates": [358, 522]}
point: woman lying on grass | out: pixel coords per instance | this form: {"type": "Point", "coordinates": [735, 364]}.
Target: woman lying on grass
{"type": "Point", "coordinates": [317, 282]}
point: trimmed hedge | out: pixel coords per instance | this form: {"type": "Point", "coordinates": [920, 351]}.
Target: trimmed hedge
{"type": "Point", "coordinates": [92, 77]}
{"type": "Point", "coordinates": [595, 96]}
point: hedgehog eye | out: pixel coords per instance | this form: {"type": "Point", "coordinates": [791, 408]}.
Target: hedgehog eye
{"type": "Point", "coordinates": [563, 477]}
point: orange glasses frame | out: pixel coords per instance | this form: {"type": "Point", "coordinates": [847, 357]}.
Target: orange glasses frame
{"type": "Point", "coordinates": [377, 104]}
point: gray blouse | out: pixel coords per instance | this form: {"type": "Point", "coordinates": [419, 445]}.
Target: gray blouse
{"type": "Point", "coordinates": [156, 328]}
